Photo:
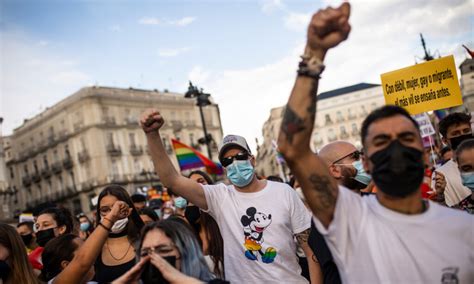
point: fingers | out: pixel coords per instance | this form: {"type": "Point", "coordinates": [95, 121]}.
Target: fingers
{"type": "Point", "coordinates": [345, 9]}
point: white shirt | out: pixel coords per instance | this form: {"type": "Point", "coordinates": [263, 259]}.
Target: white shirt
{"type": "Point", "coordinates": [373, 244]}
{"type": "Point", "coordinates": [455, 191]}
{"type": "Point", "coordinates": [255, 223]}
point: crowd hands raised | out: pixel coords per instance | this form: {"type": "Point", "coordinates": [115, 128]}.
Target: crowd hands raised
{"type": "Point", "coordinates": [386, 213]}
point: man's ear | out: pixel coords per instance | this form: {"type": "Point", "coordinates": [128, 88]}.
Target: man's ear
{"type": "Point", "coordinates": [64, 263]}
{"type": "Point", "coordinates": [253, 161]}
{"type": "Point", "coordinates": [335, 171]}
{"type": "Point", "coordinates": [61, 229]}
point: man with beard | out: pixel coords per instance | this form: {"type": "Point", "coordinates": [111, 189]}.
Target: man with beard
{"type": "Point", "coordinates": [393, 236]}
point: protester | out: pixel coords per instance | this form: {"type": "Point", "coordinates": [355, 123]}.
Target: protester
{"type": "Point", "coordinates": [258, 233]}
{"type": "Point", "coordinates": [387, 237]}
{"type": "Point", "coordinates": [27, 234]}
{"type": "Point", "coordinates": [180, 204]}
{"type": "Point", "coordinates": [446, 180]}
{"type": "Point", "coordinates": [174, 242]}
{"type": "Point", "coordinates": [139, 201]}
{"type": "Point", "coordinates": [148, 215]}
{"type": "Point", "coordinates": [118, 254]}
{"type": "Point", "coordinates": [85, 226]}
{"type": "Point", "coordinates": [68, 259]}
{"type": "Point", "coordinates": [465, 161]}
{"type": "Point", "coordinates": [446, 154]}
{"type": "Point", "coordinates": [167, 210]}
{"type": "Point", "coordinates": [51, 223]}
{"type": "Point", "coordinates": [14, 265]}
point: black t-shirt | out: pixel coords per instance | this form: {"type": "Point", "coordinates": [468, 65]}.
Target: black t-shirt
{"type": "Point", "coordinates": [106, 274]}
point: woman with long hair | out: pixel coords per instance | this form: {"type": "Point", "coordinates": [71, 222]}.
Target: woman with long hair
{"type": "Point", "coordinates": [14, 264]}
{"type": "Point", "coordinates": [53, 222]}
{"type": "Point", "coordinates": [176, 243]}
{"type": "Point", "coordinates": [68, 259]}
{"type": "Point", "coordinates": [118, 254]}
{"type": "Point", "coordinates": [207, 229]}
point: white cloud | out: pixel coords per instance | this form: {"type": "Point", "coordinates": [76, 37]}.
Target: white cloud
{"type": "Point", "coordinates": [32, 77]}
{"type": "Point", "coordinates": [297, 21]}
{"type": "Point", "coordinates": [185, 21]}
{"type": "Point", "coordinates": [269, 6]}
{"type": "Point", "coordinates": [171, 52]}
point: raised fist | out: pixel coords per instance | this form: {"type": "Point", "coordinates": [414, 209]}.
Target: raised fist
{"type": "Point", "coordinates": [119, 211]}
{"type": "Point", "coordinates": [328, 28]}
{"type": "Point", "coordinates": [151, 120]}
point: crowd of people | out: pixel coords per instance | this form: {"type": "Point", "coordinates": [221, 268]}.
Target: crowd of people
{"type": "Point", "coordinates": [385, 213]}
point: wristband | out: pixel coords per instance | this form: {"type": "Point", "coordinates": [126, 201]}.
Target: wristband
{"type": "Point", "coordinates": [310, 66]}
{"type": "Point", "coordinates": [103, 226]}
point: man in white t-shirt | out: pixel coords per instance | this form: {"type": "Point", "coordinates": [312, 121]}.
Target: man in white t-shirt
{"type": "Point", "coordinates": [446, 180]}
{"type": "Point", "coordinates": [258, 219]}
{"type": "Point", "coordinates": [393, 236]}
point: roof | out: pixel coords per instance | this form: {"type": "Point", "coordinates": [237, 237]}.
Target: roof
{"type": "Point", "coordinates": [345, 90]}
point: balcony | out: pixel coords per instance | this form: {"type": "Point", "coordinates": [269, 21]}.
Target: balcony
{"type": "Point", "coordinates": [36, 177]}
{"type": "Point", "coordinates": [56, 167]}
{"type": "Point", "coordinates": [109, 120]}
{"type": "Point", "coordinates": [67, 163]}
{"type": "Point", "coordinates": [116, 178]}
{"type": "Point", "coordinates": [136, 150]}
{"type": "Point", "coordinates": [83, 156]}
{"type": "Point", "coordinates": [114, 150]}
{"type": "Point", "coordinates": [78, 126]}
{"type": "Point", "coordinates": [46, 173]}
{"type": "Point", "coordinates": [62, 135]}
{"type": "Point", "coordinates": [26, 180]}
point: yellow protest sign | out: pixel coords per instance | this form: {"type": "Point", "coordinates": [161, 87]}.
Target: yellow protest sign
{"type": "Point", "coordinates": [423, 87]}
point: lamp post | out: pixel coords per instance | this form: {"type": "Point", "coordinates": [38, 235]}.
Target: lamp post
{"type": "Point", "coordinates": [202, 100]}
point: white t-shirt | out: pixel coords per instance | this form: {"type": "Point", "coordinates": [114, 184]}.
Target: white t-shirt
{"type": "Point", "coordinates": [373, 244]}
{"type": "Point", "coordinates": [455, 191]}
{"type": "Point", "coordinates": [259, 223]}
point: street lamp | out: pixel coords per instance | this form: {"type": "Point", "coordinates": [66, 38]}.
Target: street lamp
{"type": "Point", "coordinates": [202, 100]}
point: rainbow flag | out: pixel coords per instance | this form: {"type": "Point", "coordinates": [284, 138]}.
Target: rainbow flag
{"type": "Point", "coordinates": [189, 158]}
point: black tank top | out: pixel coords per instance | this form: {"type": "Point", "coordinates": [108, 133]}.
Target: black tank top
{"type": "Point", "coordinates": [105, 273]}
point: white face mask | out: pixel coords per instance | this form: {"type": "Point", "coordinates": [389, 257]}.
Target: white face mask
{"type": "Point", "coordinates": [166, 215]}
{"type": "Point", "coordinates": [119, 226]}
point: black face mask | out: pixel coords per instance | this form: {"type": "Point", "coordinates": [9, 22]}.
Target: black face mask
{"type": "Point", "coordinates": [455, 141]}
{"type": "Point", "coordinates": [27, 239]}
{"type": "Point", "coordinates": [398, 169]}
{"type": "Point", "coordinates": [44, 236]}
{"type": "Point", "coordinates": [4, 270]}
{"type": "Point", "coordinates": [192, 214]}
{"type": "Point", "coordinates": [152, 275]}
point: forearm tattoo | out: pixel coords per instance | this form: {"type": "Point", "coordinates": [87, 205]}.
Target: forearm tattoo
{"type": "Point", "coordinates": [291, 124]}
{"type": "Point", "coordinates": [322, 185]}
{"type": "Point", "coordinates": [302, 237]}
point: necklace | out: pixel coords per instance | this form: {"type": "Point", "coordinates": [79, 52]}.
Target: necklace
{"type": "Point", "coordinates": [118, 259]}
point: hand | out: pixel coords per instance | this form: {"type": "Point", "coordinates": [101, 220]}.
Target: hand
{"type": "Point", "coordinates": [440, 183]}
{"type": "Point", "coordinates": [328, 28]}
{"type": "Point", "coordinates": [133, 275]}
{"type": "Point", "coordinates": [151, 120]}
{"type": "Point", "coordinates": [169, 272]}
{"type": "Point", "coordinates": [119, 211]}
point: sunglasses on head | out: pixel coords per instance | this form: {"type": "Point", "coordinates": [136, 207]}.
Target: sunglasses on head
{"type": "Point", "coordinates": [354, 155]}
{"type": "Point", "coordinates": [242, 156]}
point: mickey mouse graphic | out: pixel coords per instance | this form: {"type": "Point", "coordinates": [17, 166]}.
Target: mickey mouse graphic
{"type": "Point", "coordinates": [254, 224]}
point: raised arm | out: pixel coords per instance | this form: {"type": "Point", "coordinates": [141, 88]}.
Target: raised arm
{"type": "Point", "coordinates": [151, 122]}
{"type": "Point", "coordinates": [328, 28]}
{"type": "Point", "coordinates": [86, 255]}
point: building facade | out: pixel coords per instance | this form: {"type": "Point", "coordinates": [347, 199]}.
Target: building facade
{"type": "Point", "coordinates": [339, 116]}
{"type": "Point", "coordinates": [71, 151]}
{"type": "Point", "coordinates": [467, 85]}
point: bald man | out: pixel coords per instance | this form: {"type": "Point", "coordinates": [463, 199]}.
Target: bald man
{"type": "Point", "coordinates": [345, 165]}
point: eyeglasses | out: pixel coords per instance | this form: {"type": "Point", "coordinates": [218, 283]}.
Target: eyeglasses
{"type": "Point", "coordinates": [354, 155]}
{"type": "Point", "coordinates": [242, 156]}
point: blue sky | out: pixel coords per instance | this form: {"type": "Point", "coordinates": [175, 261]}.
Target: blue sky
{"type": "Point", "coordinates": [243, 52]}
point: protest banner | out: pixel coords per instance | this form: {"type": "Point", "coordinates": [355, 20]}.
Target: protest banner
{"type": "Point", "coordinates": [426, 128]}
{"type": "Point", "coordinates": [427, 86]}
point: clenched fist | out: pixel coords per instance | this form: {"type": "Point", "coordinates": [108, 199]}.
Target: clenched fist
{"type": "Point", "coordinates": [151, 120]}
{"type": "Point", "coordinates": [328, 28]}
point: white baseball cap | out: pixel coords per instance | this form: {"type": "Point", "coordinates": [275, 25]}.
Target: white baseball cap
{"type": "Point", "coordinates": [233, 140]}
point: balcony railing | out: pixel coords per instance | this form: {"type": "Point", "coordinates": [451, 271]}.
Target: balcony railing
{"type": "Point", "coordinates": [109, 120]}
{"type": "Point", "coordinates": [136, 150]}
{"type": "Point", "coordinates": [26, 180]}
{"type": "Point", "coordinates": [56, 167]}
{"type": "Point", "coordinates": [114, 150]}
{"type": "Point", "coordinates": [46, 172]}
{"type": "Point", "coordinates": [36, 177]}
{"type": "Point", "coordinates": [67, 163]}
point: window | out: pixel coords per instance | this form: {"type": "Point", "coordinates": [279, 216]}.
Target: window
{"type": "Point", "coordinates": [60, 183]}
{"type": "Point", "coordinates": [35, 166]}
{"type": "Point", "coordinates": [331, 135]}
{"type": "Point", "coordinates": [137, 166]}
{"type": "Point", "coordinates": [363, 111]}
{"type": "Point", "coordinates": [343, 132]}
{"type": "Point", "coordinates": [355, 130]}
{"type": "Point", "coordinates": [45, 162]}
{"type": "Point", "coordinates": [132, 139]}
{"type": "Point", "coordinates": [110, 138]}
{"type": "Point", "coordinates": [12, 174]}
{"type": "Point", "coordinates": [339, 116]}
{"type": "Point", "coordinates": [55, 155]}
{"type": "Point", "coordinates": [25, 169]}
{"type": "Point", "coordinates": [114, 168]}
{"type": "Point", "coordinates": [328, 119]}
{"type": "Point", "coordinates": [67, 154]}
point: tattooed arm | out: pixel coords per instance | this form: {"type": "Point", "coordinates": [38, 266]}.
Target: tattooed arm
{"type": "Point", "coordinates": [315, 273]}
{"type": "Point", "coordinates": [327, 29]}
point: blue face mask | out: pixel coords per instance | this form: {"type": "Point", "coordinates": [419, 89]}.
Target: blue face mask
{"type": "Point", "coordinates": [180, 202]}
{"type": "Point", "coordinates": [240, 173]}
{"type": "Point", "coordinates": [85, 226]}
{"type": "Point", "coordinates": [468, 180]}
{"type": "Point", "coordinates": [361, 175]}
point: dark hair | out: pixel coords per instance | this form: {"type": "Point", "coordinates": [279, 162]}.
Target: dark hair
{"type": "Point", "coordinates": [136, 223]}
{"type": "Point", "coordinates": [275, 178]}
{"type": "Point", "coordinates": [62, 216]}
{"type": "Point", "coordinates": [56, 251]}
{"type": "Point", "coordinates": [29, 224]}
{"type": "Point", "coordinates": [203, 174]}
{"type": "Point", "coordinates": [149, 212]}
{"type": "Point", "coordinates": [137, 197]}
{"type": "Point", "coordinates": [214, 241]}
{"type": "Point", "coordinates": [41, 207]}
{"type": "Point", "coordinates": [445, 150]}
{"type": "Point", "coordinates": [464, 146]}
{"type": "Point", "coordinates": [381, 113]}
{"type": "Point", "coordinates": [21, 270]}
{"type": "Point", "coordinates": [455, 118]}
{"type": "Point", "coordinates": [192, 260]}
